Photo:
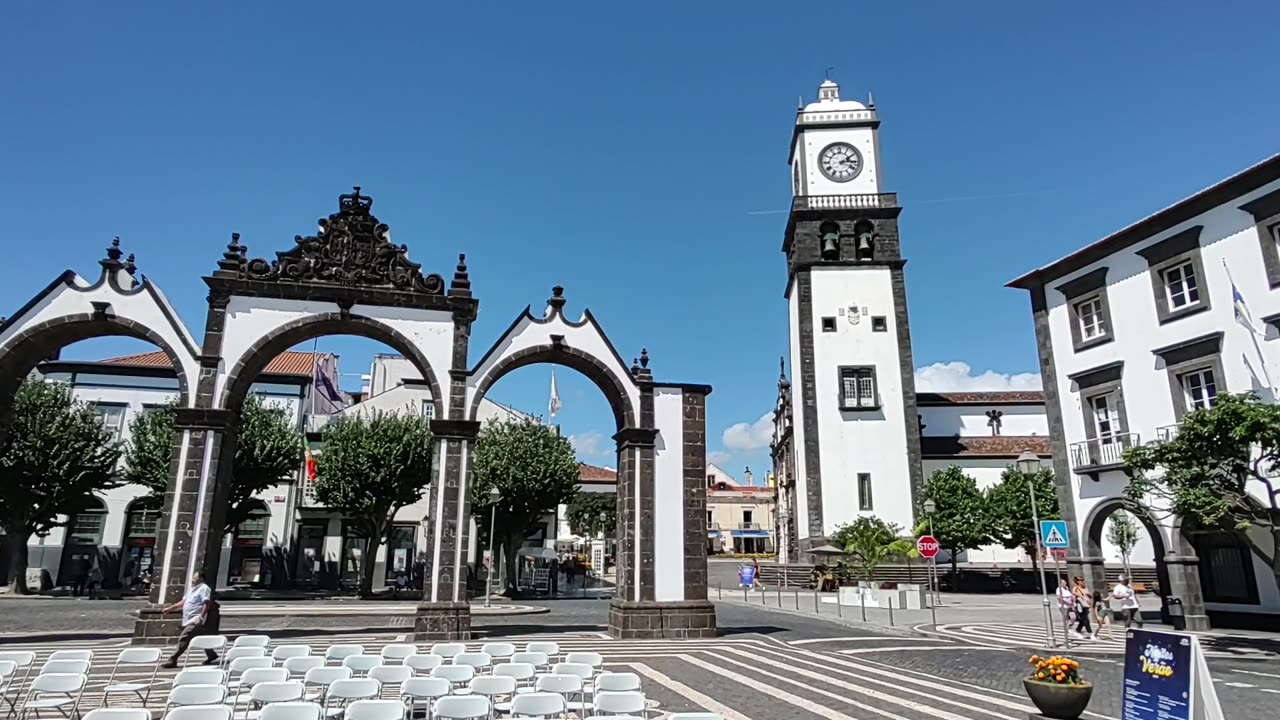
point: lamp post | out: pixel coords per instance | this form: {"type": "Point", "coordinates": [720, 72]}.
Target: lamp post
{"type": "Point", "coordinates": [930, 507]}
{"type": "Point", "coordinates": [1028, 465]}
{"type": "Point", "coordinates": [494, 497]}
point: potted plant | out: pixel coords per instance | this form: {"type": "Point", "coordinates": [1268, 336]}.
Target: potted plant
{"type": "Point", "coordinates": [1056, 688]}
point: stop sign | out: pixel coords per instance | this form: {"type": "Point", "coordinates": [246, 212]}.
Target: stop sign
{"type": "Point", "coordinates": [928, 546]}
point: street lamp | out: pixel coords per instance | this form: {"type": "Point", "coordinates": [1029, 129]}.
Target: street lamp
{"type": "Point", "coordinates": [1028, 465]}
{"type": "Point", "coordinates": [494, 497]}
{"type": "Point", "coordinates": [930, 507]}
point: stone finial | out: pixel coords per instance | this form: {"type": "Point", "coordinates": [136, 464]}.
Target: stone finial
{"type": "Point", "coordinates": [130, 266]}
{"type": "Point", "coordinates": [783, 382]}
{"type": "Point", "coordinates": [114, 253]}
{"type": "Point", "coordinates": [644, 357]}
{"type": "Point", "coordinates": [635, 366]}
{"type": "Point", "coordinates": [233, 259]}
{"type": "Point", "coordinates": [871, 101]}
{"type": "Point", "coordinates": [557, 300]}
{"type": "Point", "coordinates": [461, 285]}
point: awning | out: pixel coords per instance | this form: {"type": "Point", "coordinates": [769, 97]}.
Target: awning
{"type": "Point", "coordinates": [750, 533]}
{"type": "Point", "coordinates": [713, 533]}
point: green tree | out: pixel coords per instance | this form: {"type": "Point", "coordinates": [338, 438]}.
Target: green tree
{"type": "Point", "coordinates": [586, 509]}
{"type": "Point", "coordinates": [55, 456]}
{"type": "Point", "coordinates": [960, 519]}
{"type": "Point", "coordinates": [370, 467]}
{"type": "Point", "coordinates": [1009, 509]}
{"type": "Point", "coordinates": [268, 452]}
{"type": "Point", "coordinates": [1220, 470]}
{"type": "Point", "coordinates": [534, 470]}
{"type": "Point", "coordinates": [1122, 532]}
{"type": "Point", "coordinates": [869, 541]}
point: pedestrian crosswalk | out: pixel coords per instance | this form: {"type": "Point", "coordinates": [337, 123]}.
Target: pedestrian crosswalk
{"type": "Point", "coordinates": [748, 677]}
{"type": "Point", "coordinates": [1110, 640]}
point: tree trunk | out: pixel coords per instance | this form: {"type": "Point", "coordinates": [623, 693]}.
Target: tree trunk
{"type": "Point", "coordinates": [18, 563]}
{"type": "Point", "coordinates": [1275, 550]}
{"type": "Point", "coordinates": [510, 548]}
{"type": "Point", "coordinates": [370, 564]}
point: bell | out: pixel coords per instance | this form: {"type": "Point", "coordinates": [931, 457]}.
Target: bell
{"type": "Point", "coordinates": [830, 245]}
{"type": "Point", "coordinates": [864, 244]}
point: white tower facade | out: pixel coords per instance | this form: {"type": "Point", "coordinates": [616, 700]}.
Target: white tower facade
{"type": "Point", "coordinates": [856, 425]}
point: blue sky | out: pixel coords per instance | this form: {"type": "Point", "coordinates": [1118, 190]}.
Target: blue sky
{"type": "Point", "coordinates": [635, 153]}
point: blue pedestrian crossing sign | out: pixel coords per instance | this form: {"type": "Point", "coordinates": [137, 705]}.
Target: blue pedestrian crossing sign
{"type": "Point", "coordinates": [1053, 534]}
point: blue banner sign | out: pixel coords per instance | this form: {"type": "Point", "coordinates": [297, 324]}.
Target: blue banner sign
{"type": "Point", "coordinates": [747, 576]}
{"type": "Point", "coordinates": [1159, 673]}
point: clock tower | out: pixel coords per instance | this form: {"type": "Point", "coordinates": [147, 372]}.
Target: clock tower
{"type": "Point", "coordinates": [855, 424]}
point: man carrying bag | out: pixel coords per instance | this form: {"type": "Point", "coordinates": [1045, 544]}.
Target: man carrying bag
{"type": "Point", "coordinates": [200, 616]}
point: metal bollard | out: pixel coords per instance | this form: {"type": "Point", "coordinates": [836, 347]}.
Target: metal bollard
{"type": "Point", "coordinates": [933, 610]}
{"type": "Point", "coordinates": [862, 597]}
{"type": "Point", "coordinates": [719, 591]}
{"type": "Point", "coordinates": [839, 610]}
{"type": "Point", "coordinates": [779, 595]}
{"type": "Point", "coordinates": [744, 594]}
{"type": "Point", "coordinates": [891, 611]}
{"type": "Point", "coordinates": [764, 596]}
{"type": "Point", "coordinates": [816, 609]}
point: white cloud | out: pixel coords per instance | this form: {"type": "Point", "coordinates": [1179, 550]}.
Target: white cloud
{"type": "Point", "coordinates": [718, 457]}
{"type": "Point", "coordinates": [753, 436]}
{"type": "Point", "coordinates": [957, 376]}
{"type": "Point", "coordinates": [589, 444]}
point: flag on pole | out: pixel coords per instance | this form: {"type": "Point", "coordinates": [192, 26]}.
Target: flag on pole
{"type": "Point", "coordinates": [322, 379]}
{"type": "Point", "coordinates": [311, 466]}
{"type": "Point", "coordinates": [1238, 306]}
{"type": "Point", "coordinates": [555, 396]}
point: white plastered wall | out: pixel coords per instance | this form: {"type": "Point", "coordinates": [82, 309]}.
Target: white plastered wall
{"type": "Point", "coordinates": [668, 495]}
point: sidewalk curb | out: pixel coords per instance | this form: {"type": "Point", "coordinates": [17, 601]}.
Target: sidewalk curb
{"type": "Point", "coordinates": [905, 631]}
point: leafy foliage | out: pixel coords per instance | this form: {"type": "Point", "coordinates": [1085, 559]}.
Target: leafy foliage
{"type": "Point", "coordinates": [1122, 532]}
{"type": "Point", "coordinates": [1009, 508]}
{"type": "Point", "coordinates": [370, 467]}
{"type": "Point", "coordinates": [268, 452]}
{"type": "Point", "coordinates": [870, 541]}
{"type": "Point", "coordinates": [1220, 470]}
{"type": "Point", "coordinates": [960, 520]}
{"type": "Point", "coordinates": [533, 468]}
{"type": "Point", "coordinates": [55, 457]}
{"type": "Point", "coordinates": [585, 510]}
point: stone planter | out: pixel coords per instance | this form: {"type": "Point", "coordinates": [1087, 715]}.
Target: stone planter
{"type": "Point", "coordinates": [1061, 702]}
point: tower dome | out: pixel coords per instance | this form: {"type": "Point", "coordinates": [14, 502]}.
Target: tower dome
{"type": "Point", "coordinates": [829, 99]}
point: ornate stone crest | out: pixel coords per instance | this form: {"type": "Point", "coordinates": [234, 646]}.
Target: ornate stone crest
{"type": "Point", "coordinates": [352, 249]}
{"type": "Point", "coordinates": [853, 314]}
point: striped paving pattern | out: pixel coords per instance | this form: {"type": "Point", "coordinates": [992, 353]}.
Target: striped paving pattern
{"type": "Point", "coordinates": [743, 678]}
{"type": "Point", "coordinates": [1109, 642]}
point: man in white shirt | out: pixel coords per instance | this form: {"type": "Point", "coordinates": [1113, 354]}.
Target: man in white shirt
{"type": "Point", "coordinates": [195, 612]}
{"type": "Point", "coordinates": [1127, 599]}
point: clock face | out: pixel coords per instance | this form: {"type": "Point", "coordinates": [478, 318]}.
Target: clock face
{"type": "Point", "coordinates": [840, 162]}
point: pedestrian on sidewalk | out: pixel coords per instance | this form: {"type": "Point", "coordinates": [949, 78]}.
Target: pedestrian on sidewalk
{"type": "Point", "coordinates": [1084, 609]}
{"type": "Point", "coordinates": [1067, 607]}
{"type": "Point", "coordinates": [1127, 599]}
{"type": "Point", "coordinates": [198, 618]}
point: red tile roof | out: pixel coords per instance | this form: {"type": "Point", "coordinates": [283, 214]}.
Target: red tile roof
{"type": "Point", "coordinates": [997, 397]}
{"type": "Point", "coordinates": [289, 362]}
{"type": "Point", "coordinates": [593, 474]}
{"type": "Point", "coordinates": [999, 446]}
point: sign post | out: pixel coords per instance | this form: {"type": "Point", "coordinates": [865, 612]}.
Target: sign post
{"type": "Point", "coordinates": [928, 547]}
{"type": "Point", "coordinates": [1053, 536]}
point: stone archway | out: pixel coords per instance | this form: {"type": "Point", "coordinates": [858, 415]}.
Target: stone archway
{"type": "Point", "coordinates": [1177, 567]}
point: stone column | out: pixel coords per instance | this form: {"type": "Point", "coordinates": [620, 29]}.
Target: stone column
{"type": "Point", "coordinates": [444, 613]}
{"type": "Point", "coordinates": [1184, 582]}
{"type": "Point", "coordinates": [190, 533]}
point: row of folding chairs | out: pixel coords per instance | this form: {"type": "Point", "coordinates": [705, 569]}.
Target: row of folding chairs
{"type": "Point", "coordinates": [451, 708]}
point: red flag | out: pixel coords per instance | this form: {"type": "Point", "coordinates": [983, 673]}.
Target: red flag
{"type": "Point", "coordinates": [311, 466]}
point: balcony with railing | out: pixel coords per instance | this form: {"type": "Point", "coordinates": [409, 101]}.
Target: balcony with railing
{"type": "Point", "coordinates": [713, 527]}
{"type": "Point", "coordinates": [748, 526]}
{"type": "Point", "coordinates": [1105, 453]}
{"type": "Point", "coordinates": [1166, 433]}
{"type": "Point", "coordinates": [864, 201]}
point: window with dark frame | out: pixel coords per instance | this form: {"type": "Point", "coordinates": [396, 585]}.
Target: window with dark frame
{"type": "Point", "coordinates": [858, 388]}
{"type": "Point", "coordinates": [828, 324]}
{"type": "Point", "coordinates": [1181, 288]}
{"type": "Point", "coordinates": [1106, 417]}
{"type": "Point", "coordinates": [429, 409]}
{"type": "Point", "coordinates": [1089, 314]}
{"type": "Point", "coordinates": [879, 323]}
{"type": "Point", "coordinates": [864, 491]}
{"type": "Point", "coordinates": [111, 415]}
{"type": "Point", "coordinates": [1199, 389]}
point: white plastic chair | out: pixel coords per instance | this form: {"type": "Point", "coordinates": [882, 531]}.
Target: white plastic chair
{"type": "Point", "coordinates": [130, 659]}
{"type": "Point", "coordinates": [258, 641]}
{"type": "Point", "coordinates": [620, 704]}
{"type": "Point", "coordinates": [538, 705]}
{"type": "Point", "coordinates": [375, 710]}
{"type": "Point", "coordinates": [235, 653]}
{"type": "Point", "coordinates": [594, 659]}
{"type": "Point", "coordinates": [538, 660]}
{"type": "Point", "coordinates": [8, 672]}
{"type": "Point", "coordinates": [238, 667]}
{"type": "Point", "coordinates": [290, 711]}
{"type": "Point", "coordinates": [391, 674]}
{"type": "Point", "coordinates": [335, 654]}
{"type": "Point", "coordinates": [582, 670]}
{"type": "Point", "coordinates": [253, 677]}
{"type": "Point", "coordinates": [284, 652]}
{"type": "Point", "coordinates": [200, 676]}
{"type": "Point", "coordinates": [342, 692]}
{"type": "Point", "coordinates": [54, 691]}
{"type": "Point", "coordinates": [478, 660]}
{"type": "Point", "coordinates": [298, 666]}
{"type": "Point", "coordinates": [65, 667]}
{"type": "Point", "coordinates": [551, 649]}
{"type": "Point", "coordinates": [71, 655]}
{"type": "Point", "coordinates": [522, 673]}
{"type": "Point", "coordinates": [118, 714]}
{"type": "Point", "coordinates": [494, 687]}
{"type": "Point", "coordinates": [266, 693]}
{"type": "Point", "coordinates": [360, 665]}
{"type": "Point", "coordinates": [567, 686]}
{"type": "Point", "coordinates": [419, 692]}
{"type": "Point", "coordinates": [499, 650]}
{"type": "Point", "coordinates": [448, 650]}
{"type": "Point", "coordinates": [397, 652]}
{"type": "Point", "coordinates": [618, 682]}
{"type": "Point", "coordinates": [695, 716]}
{"type": "Point", "coordinates": [423, 664]}
{"type": "Point", "coordinates": [10, 686]}
{"type": "Point", "coordinates": [196, 695]}
{"type": "Point", "coordinates": [459, 675]}
{"type": "Point", "coordinates": [201, 643]}
{"type": "Point", "coordinates": [461, 707]}
{"type": "Point", "coordinates": [320, 678]}
{"type": "Point", "coordinates": [199, 712]}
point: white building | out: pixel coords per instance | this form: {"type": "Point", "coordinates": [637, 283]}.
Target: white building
{"type": "Point", "coordinates": [1140, 327]}
{"type": "Point", "coordinates": [858, 440]}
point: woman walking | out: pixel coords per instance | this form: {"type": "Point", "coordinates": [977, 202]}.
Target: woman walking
{"type": "Point", "coordinates": [1084, 608]}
